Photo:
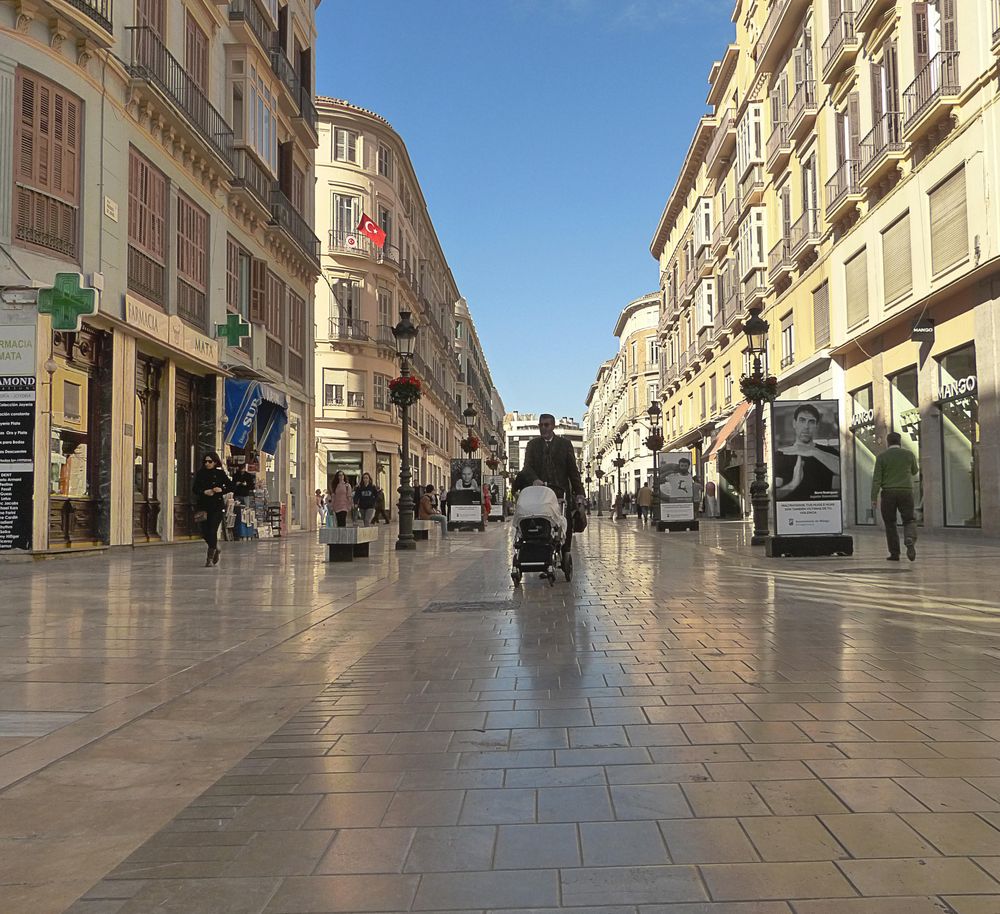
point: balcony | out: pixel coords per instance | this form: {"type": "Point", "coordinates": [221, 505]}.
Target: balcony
{"type": "Point", "coordinates": [285, 215]}
{"type": "Point", "coordinates": [251, 177]}
{"type": "Point", "coordinates": [388, 253]}
{"type": "Point", "coordinates": [996, 26]}
{"type": "Point", "coordinates": [345, 328]}
{"type": "Point", "coordinates": [150, 62]}
{"type": "Point", "coordinates": [866, 19]}
{"type": "Point", "coordinates": [751, 188]}
{"type": "Point", "coordinates": [881, 148]}
{"type": "Point", "coordinates": [44, 221]}
{"type": "Point", "coordinates": [753, 290]}
{"type": "Point", "coordinates": [722, 146]}
{"type": "Point", "coordinates": [274, 354]}
{"type": "Point", "coordinates": [732, 308]}
{"type": "Point", "coordinates": [384, 336]}
{"type": "Point", "coordinates": [780, 261]}
{"type": "Point", "coordinates": [704, 265]}
{"type": "Point", "coordinates": [192, 305]}
{"type": "Point", "coordinates": [92, 16]}
{"type": "Point", "coordinates": [248, 15]}
{"type": "Point", "coordinates": [730, 219]}
{"type": "Point", "coordinates": [779, 147]}
{"type": "Point", "coordinates": [841, 47]}
{"type": "Point", "coordinates": [783, 20]}
{"type": "Point", "coordinates": [932, 95]}
{"type": "Point", "coordinates": [284, 70]}
{"type": "Point", "coordinates": [802, 110]}
{"type": "Point", "coordinates": [340, 242]}
{"type": "Point", "coordinates": [805, 234]}
{"type": "Point", "coordinates": [843, 192]}
{"type": "Point", "coordinates": [307, 111]}
{"type": "Point", "coordinates": [147, 277]}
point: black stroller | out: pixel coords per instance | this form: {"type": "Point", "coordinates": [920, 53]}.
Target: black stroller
{"type": "Point", "coordinates": [540, 530]}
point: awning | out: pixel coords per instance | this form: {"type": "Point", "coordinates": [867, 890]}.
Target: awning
{"type": "Point", "coordinates": [271, 422]}
{"type": "Point", "coordinates": [734, 421]}
{"type": "Point", "coordinates": [242, 401]}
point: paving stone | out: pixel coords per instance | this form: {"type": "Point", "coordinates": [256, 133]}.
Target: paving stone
{"type": "Point", "coordinates": [538, 846]}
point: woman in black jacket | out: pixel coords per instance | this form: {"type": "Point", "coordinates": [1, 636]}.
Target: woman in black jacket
{"type": "Point", "coordinates": [210, 484]}
{"type": "Point", "coordinates": [366, 498]}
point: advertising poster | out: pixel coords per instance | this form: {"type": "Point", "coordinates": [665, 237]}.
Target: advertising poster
{"type": "Point", "coordinates": [465, 494]}
{"type": "Point", "coordinates": [17, 436]}
{"type": "Point", "coordinates": [805, 444]}
{"type": "Point", "coordinates": [496, 486]}
{"type": "Point", "coordinates": [677, 487]}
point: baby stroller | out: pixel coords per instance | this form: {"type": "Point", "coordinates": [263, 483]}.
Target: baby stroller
{"type": "Point", "coordinates": [540, 529]}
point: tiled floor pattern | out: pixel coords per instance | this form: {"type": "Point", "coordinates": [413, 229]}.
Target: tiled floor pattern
{"type": "Point", "coordinates": [683, 729]}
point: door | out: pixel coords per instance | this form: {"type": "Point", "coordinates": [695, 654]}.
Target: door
{"type": "Point", "coordinates": [186, 456]}
{"type": "Point", "coordinates": [146, 442]}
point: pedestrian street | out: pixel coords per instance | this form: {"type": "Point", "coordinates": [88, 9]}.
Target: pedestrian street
{"type": "Point", "coordinates": [687, 727]}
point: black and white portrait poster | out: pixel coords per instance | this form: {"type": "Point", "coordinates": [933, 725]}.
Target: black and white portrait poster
{"type": "Point", "coordinates": [805, 447]}
{"type": "Point", "coordinates": [495, 486]}
{"type": "Point", "coordinates": [465, 494]}
{"type": "Point", "coordinates": [677, 486]}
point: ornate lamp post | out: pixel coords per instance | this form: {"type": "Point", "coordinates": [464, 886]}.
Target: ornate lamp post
{"type": "Point", "coordinates": [655, 443]}
{"type": "Point", "coordinates": [588, 480]}
{"type": "Point", "coordinates": [469, 414]}
{"type": "Point", "coordinates": [600, 476]}
{"type": "Point", "coordinates": [619, 463]}
{"type": "Point", "coordinates": [405, 334]}
{"type": "Point", "coordinates": [758, 389]}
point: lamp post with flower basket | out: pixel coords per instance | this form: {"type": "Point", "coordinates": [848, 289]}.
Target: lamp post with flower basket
{"type": "Point", "coordinates": [588, 480]}
{"type": "Point", "coordinates": [619, 462]}
{"type": "Point", "coordinates": [655, 443]}
{"type": "Point", "coordinates": [758, 389]}
{"type": "Point", "coordinates": [471, 443]}
{"type": "Point", "coordinates": [599, 473]}
{"type": "Point", "coordinates": [404, 392]}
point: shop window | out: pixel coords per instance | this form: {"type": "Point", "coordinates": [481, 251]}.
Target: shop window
{"type": "Point", "coordinates": [959, 403]}
{"type": "Point", "coordinates": [904, 392]}
{"type": "Point", "coordinates": [865, 446]}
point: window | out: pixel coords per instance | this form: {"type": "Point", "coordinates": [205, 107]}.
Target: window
{"type": "Point", "coordinates": [346, 213]}
{"type": "Point", "coordinates": [381, 391]}
{"type": "Point", "coordinates": [385, 223]}
{"type": "Point", "coordinates": [385, 321]}
{"type": "Point", "coordinates": [787, 340]}
{"type": "Point", "coordinates": [348, 298]}
{"type": "Point", "coordinates": [749, 139]}
{"type": "Point", "coordinates": [192, 262]}
{"type": "Point", "coordinates": [384, 161]}
{"type": "Point", "coordinates": [897, 271]}
{"type": "Point", "coordinates": [333, 392]}
{"type": "Point", "coordinates": [865, 443]}
{"type": "Point", "coordinates": [151, 13]}
{"type": "Point", "coordinates": [949, 223]}
{"type": "Point", "coordinates": [196, 53]}
{"type": "Point", "coordinates": [47, 137]}
{"type": "Point", "coordinates": [262, 119]}
{"type": "Point", "coordinates": [821, 316]}
{"type": "Point", "coordinates": [71, 401]}
{"type": "Point", "coordinates": [856, 280]}
{"type": "Point", "coordinates": [297, 342]}
{"type": "Point", "coordinates": [713, 400]}
{"type": "Point", "coordinates": [727, 386]}
{"type": "Point", "coordinates": [345, 145]}
{"type": "Point", "coordinates": [147, 246]}
{"type": "Point", "coordinates": [752, 242]}
{"type": "Point", "coordinates": [959, 403]}
{"type": "Point", "coordinates": [274, 322]}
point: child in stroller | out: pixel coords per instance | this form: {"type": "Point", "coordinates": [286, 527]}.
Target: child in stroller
{"type": "Point", "coordinates": [540, 529]}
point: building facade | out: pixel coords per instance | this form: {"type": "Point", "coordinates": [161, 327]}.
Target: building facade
{"type": "Point", "coordinates": [845, 186]}
{"type": "Point", "coordinates": [619, 398]}
{"type": "Point", "coordinates": [363, 167]}
{"type": "Point", "coordinates": [162, 151]}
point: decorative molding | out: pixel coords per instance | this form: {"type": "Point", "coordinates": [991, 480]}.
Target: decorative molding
{"type": "Point", "coordinates": [84, 53]}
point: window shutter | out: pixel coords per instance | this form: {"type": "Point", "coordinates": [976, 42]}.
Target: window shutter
{"type": "Point", "coordinates": [949, 25]}
{"type": "Point", "coordinates": [147, 207]}
{"type": "Point", "coordinates": [196, 52]}
{"type": "Point", "coordinates": [890, 60]}
{"type": "Point", "coordinates": [285, 153]}
{"type": "Point", "coordinates": [232, 274]}
{"type": "Point", "coordinates": [856, 280]}
{"type": "Point", "coordinates": [921, 37]}
{"type": "Point", "coordinates": [897, 268]}
{"type": "Point", "coordinates": [876, 81]}
{"type": "Point", "coordinates": [853, 124]}
{"type": "Point", "coordinates": [258, 290]}
{"type": "Point", "coordinates": [841, 137]}
{"type": "Point", "coordinates": [821, 316]}
{"type": "Point", "coordinates": [949, 222]}
{"type": "Point", "coordinates": [834, 10]}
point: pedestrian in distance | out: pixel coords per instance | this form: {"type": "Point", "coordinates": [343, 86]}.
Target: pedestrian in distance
{"type": "Point", "coordinates": [366, 499]}
{"type": "Point", "coordinates": [893, 476]}
{"type": "Point", "coordinates": [426, 510]}
{"type": "Point", "coordinates": [645, 501]}
{"type": "Point", "coordinates": [321, 507]}
{"type": "Point", "coordinates": [487, 505]}
{"type": "Point", "coordinates": [211, 483]}
{"type": "Point", "coordinates": [619, 505]}
{"type": "Point", "coordinates": [380, 508]}
{"type": "Point", "coordinates": [341, 498]}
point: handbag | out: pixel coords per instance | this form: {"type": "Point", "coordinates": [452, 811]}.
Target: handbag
{"type": "Point", "coordinates": [579, 520]}
{"type": "Point", "coordinates": [200, 517]}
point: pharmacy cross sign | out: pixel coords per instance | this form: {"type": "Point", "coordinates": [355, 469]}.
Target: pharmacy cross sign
{"type": "Point", "coordinates": [67, 301]}
{"type": "Point", "coordinates": [234, 330]}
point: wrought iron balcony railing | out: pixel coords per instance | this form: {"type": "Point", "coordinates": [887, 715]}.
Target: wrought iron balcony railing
{"type": "Point", "coordinates": [249, 11]}
{"type": "Point", "coordinates": [342, 242]}
{"type": "Point", "coordinates": [285, 215]}
{"type": "Point", "coordinates": [150, 60]}
{"type": "Point", "coordinates": [252, 176]}
{"type": "Point", "coordinates": [46, 221]}
{"type": "Point", "coordinates": [345, 328]}
{"type": "Point", "coordinates": [938, 79]}
{"type": "Point", "coordinates": [885, 137]}
{"type": "Point", "coordinates": [307, 110]}
{"type": "Point", "coordinates": [98, 10]}
{"type": "Point", "coordinates": [805, 232]}
{"type": "Point", "coordinates": [778, 143]}
{"type": "Point", "coordinates": [843, 184]}
{"type": "Point", "coordinates": [803, 103]}
{"type": "Point", "coordinates": [842, 36]}
{"type": "Point", "coordinates": [284, 70]}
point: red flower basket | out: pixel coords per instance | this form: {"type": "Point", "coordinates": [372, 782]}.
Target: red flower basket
{"type": "Point", "coordinates": [405, 391]}
{"type": "Point", "coordinates": [470, 444]}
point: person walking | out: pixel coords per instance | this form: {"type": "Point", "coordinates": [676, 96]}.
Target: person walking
{"type": "Point", "coordinates": [366, 499]}
{"type": "Point", "coordinates": [893, 476]}
{"type": "Point", "coordinates": [426, 510]}
{"type": "Point", "coordinates": [211, 483]}
{"type": "Point", "coordinates": [645, 501]}
{"type": "Point", "coordinates": [321, 507]}
{"type": "Point", "coordinates": [380, 507]}
{"type": "Point", "coordinates": [619, 506]}
{"type": "Point", "coordinates": [341, 498]}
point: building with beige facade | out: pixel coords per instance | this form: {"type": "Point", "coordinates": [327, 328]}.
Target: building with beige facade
{"type": "Point", "coordinates": [163, 151]}
{"type": "Point", "coordinates": [845, 185]}
{"type": "Point", "coordinates": [622, 392]}
{"type": "Point", "coordinates": [363, 167]}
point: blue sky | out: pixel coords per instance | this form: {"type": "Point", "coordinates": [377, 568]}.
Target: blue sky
{"type": "Point", "coordinates": [546, 136]}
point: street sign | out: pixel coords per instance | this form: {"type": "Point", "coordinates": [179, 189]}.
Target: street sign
{"type": "Point", "coordinates": [233, 331]}
{"type": "Point", "coordinates": [68, 301]}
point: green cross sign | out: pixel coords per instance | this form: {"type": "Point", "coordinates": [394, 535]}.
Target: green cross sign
{"type": "Point", "coordinates": [234, 330]}
{"type": "Point", "coordinates": [67, 301]}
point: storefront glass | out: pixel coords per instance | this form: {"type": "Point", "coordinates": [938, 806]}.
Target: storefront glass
{"type": "Point", "coordinates": [959, 405]}
{"type": "Point", "coordinates": [293, 471]}
{"type": "Point", "coordinates": [865, 446]}
{"type": "Point", "coordinates": [906, 420]}
{"type": "Point", "coordinates": [350, 462]}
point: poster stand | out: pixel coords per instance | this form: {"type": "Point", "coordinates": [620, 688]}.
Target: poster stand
{"type": "Point", "coordinates": [676, 491]}
{"type": "Point", "coordinates": [465, 495]}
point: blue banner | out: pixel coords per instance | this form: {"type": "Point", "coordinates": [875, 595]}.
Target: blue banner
{"type": "Point", "coordinates": [243, 398]}
{"type": "Point", "coordinates": [271, 422]}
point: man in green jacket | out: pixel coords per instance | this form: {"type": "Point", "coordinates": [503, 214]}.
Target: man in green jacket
{"type": "Point", "coordinates": [895, 468]}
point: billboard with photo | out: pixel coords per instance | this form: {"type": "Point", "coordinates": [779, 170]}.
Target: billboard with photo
{"type": "Point", "coordinates": [805, 467]}
{"type": "Point", "coordinates": [676, 486]}
{"type": "Point", "coordinates": [465, 494]}
{"type": "Point", "coordinates": [496, 486]}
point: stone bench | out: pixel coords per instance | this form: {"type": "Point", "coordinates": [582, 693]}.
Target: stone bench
{"type": "Point", "coordinates": [345, 544]}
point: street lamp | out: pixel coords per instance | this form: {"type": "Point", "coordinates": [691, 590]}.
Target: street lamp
{"type": "Point", "coordinates": [600, 476]}
{"type": "Point", "coordinates": [588, 481]}
{"type": "Point", "coordinates": [469, 414]}
{"type": "Point", "coordinates": [756, 332]}
{"type": "Point", "coordinates": [619, 463]}
{"type": "Point", "coordinates": [405, 334]}
{"type": "Point", "coordinates": [655, 442]}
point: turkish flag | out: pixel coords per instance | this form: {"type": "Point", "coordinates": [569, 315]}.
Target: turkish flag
{"type": "Point", "coordinates": [370, 229]}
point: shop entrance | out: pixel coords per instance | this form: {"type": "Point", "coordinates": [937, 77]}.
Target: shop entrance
{"type": "Point", "coordinates": [959, 404]}
{"type": "Point", "coordinates": [146, 441]}
{"type": "Point", "coordinates": [865, 447]}
{"type": "Point", "coordinates": [194, 421]}
{"type": "Point", "coordinates": [347, 462]}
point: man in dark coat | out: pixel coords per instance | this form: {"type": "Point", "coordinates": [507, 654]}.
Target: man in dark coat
{"type": "Point", "coordinates": [552, 460]}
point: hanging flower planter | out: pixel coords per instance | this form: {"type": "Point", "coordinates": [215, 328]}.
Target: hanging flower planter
{"type": "Point", "coordinates": [470, 445]}
{"type": "Point", "coordinates": [619, 462]}
{"type": "Point", "coordinates": [405, 391]}
{"type": "Point", "coordinates": [756, 387]}
{"type": "Point", "coordinates": [655, 442]}
{"type": "Point", "coordinates": [492, 463]}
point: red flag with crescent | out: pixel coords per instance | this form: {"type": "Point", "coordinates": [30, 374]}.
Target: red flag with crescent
{"type": "Point", "coordinates": [371, 229]}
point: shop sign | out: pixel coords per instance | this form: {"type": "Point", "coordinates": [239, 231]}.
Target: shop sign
{"type": "Point", "coordinates": [922, 330]}
{"type": "Point", "coordinates": [676, 485]}
{"type": "Point", "coordinates": [199, 346]}
{"type": "Point", "coordinates": [17, 436]}
{"type": "Point", "coordinates": [150, 321]}
{"type": "Point", "coordinates": [805, 443]}
{"type": "Point", "coordinates": [170, 329]}
{"type": "Point", "coordinates": [863, 418]}
{"type": "Point", "coordinates": [963, 387]}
